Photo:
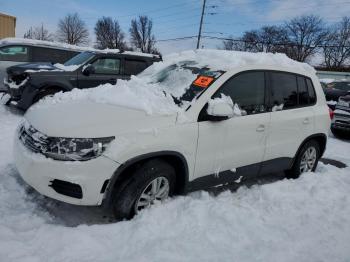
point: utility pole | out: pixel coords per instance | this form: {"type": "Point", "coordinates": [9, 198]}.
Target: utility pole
{"type": "Point", "coordinates": [200, 25]}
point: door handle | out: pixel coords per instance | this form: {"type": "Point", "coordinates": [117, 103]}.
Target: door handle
{"type": "Point", "coordinates": [261, 128]}
{"type": "Point", "coordinates": [306, 121]}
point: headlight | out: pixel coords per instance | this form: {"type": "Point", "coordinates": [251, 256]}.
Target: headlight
{"type": "Point", "coordinates": [76, 148]}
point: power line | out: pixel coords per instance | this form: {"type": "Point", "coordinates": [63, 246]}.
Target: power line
{"type": "Point", "coordinates": [275, 44]}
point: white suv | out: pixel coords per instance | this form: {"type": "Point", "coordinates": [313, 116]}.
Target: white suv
{"type": "Point", "coordinates": [198, 119]}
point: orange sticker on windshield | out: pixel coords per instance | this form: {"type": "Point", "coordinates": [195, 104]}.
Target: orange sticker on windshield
{"type": "Point", "coordinates": [203, 81]}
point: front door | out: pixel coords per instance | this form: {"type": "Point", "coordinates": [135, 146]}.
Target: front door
{"type": "Point", "coordinates": [235, 147]}
{"type": "Point", "coordinates": [107, 70]}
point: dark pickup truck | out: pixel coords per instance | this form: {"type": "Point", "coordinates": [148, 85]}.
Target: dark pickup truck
{"type": "Point", "coordinates": [28, 83]}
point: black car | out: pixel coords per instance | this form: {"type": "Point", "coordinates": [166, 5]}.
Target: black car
{"type": "Point", "coordinates": [14, 51]}
{"type": "Point", "coordinates": [28, 83]}
{"type": "Point", "coordinates": [336, 89]}
{"type": "Point", "coordinates": [341, 120]}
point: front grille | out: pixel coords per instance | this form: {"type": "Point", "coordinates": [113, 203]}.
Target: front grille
{"type": "Point", "coordinates": [33, 139]}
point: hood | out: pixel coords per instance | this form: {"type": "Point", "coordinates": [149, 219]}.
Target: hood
{"type": "Point", "coordinates": [21, 68]}
{"type": "Point", "coordinates": [87, 119]}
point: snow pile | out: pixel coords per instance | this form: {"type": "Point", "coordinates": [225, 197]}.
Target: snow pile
{"type": "Point", "coordinates": [226, 60]}
{"type": "Point", "coordinates": [134, 94]}
{"type": "Point", "coordinates": [326, 80]}
{"type": "Point", "coordinates": [236, 111]}
{"type": "Point", "coordinates": [70, 68]}
{"type": "Point", "coordinates": [290, 220]}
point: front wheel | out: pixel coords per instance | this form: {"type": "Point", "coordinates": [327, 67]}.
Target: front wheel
{"type": "Point", "coordinates": [306, 160]}
{"type": "Point", "coordinates": [152, 182]}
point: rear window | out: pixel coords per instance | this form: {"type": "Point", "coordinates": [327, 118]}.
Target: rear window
{"type": "Point", "coordinates": [14, 53]}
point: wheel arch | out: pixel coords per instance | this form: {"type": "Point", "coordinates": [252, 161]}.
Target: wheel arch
{"type": "Point", "coordinates": [321, 138]}
{"type": "Point", "coordinates": [175, 159]}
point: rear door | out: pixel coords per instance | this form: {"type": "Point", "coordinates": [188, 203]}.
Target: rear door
{"type": "Point", "coordinates": [292, 118]}
{"type": "Point", "coordinates": [235, 147]}
{"type": "Point", "coordinates": [107, 70]}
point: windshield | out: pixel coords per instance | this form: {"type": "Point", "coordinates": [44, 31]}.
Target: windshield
{"type": "Point", "coordinates": [79, 59]}
{"type": "Point", "coordinates": [184, 80]}
{"type": "Point", "coordinates": [345, 86]}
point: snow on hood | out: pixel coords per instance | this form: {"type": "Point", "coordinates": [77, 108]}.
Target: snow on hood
{"type": "Point", "coordinates": [133, 94]}
{"type": "Point", "coordinates": [143, 93]}
{"type": "Point", "coordinates": [85, 119]}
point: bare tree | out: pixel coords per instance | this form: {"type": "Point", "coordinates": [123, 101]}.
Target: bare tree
{"type": "Point", "coordinates": [38, 33]}
{"type": "Point", "coordinates": [274, 39]}
{"type": "Point", "coordinates": [72, 30]}
{"type": "Point", "coordinates": [266, 39]}
{"type": "Point", "coordinates": [141, 34]}
{"type": "Point", "coordinates": [306, 34]}
{"type": "Point", "coordinates": [336, 49]}
{"type": "Point", "coordinates": [109, 34]}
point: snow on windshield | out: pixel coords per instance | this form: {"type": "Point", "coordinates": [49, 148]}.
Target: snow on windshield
{"type": "Point", "coordinates": [157, 89]}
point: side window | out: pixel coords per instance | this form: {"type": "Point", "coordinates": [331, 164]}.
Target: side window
{"type": "Point", "coordinates": [303, 94]}
{"type": "Point", "coordinates": [133, 67]}
{"type": "Point", "coordinates": [311, 90]}
{"type": "Point", "coordinates": [284, 90]}
{"type": "Point", "coordinates": [107, 66]}
{"type": "Point", "coordinates": [247, 90]}
{"type": "Point", "coordinates": [14, 53]}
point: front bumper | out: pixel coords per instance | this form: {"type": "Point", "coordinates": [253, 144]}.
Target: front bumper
{"type": "Point", "coordinates": [23, 96]}
{"type": "Point", "coordinates": [41, 172]}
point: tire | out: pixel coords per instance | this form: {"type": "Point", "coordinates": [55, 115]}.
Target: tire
{"type": "Point", "coordinates": [310, 146]}
{"type": "Point", "coordinates": [127, 196]}
{"type": "Point", "coordinates": [45, 93]}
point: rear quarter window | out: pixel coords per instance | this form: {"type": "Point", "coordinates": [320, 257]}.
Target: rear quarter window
{"type": "Point", "coordinates": [14, 53]}
{"type": "Point", "coordinates": [134, 67]}
{"type": "Point", "coordinates": [311, 89]}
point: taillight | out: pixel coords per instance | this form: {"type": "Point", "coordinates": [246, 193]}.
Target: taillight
{"type": "Point", "coordinates": [331, 113]}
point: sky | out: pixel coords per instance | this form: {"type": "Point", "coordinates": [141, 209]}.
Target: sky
{"type": "Point", "coordinates": [174, 19]}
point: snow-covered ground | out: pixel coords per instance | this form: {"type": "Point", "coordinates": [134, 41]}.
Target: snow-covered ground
{"type": "Point", "coordinates": [307, 219]}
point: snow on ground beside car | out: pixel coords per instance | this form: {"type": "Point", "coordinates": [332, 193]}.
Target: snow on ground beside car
{"type": "Point", "coordinates": [289, 220]}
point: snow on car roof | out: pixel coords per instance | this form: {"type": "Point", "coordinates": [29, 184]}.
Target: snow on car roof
{"type": "Point", "coordinates": [14, 40]}
{"type": "Point", "coordinates": [227, 60]}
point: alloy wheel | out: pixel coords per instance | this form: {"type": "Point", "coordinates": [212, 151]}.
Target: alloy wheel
{"type": "Point", "coordinates": [156, 190]}
{"type": "Point", "coordinates": [308, 160]}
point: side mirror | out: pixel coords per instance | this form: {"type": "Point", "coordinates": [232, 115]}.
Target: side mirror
{"type": "Point", "coordinates": [219, 111]}
{"type": "Point", "coordinates": [88, 70]}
